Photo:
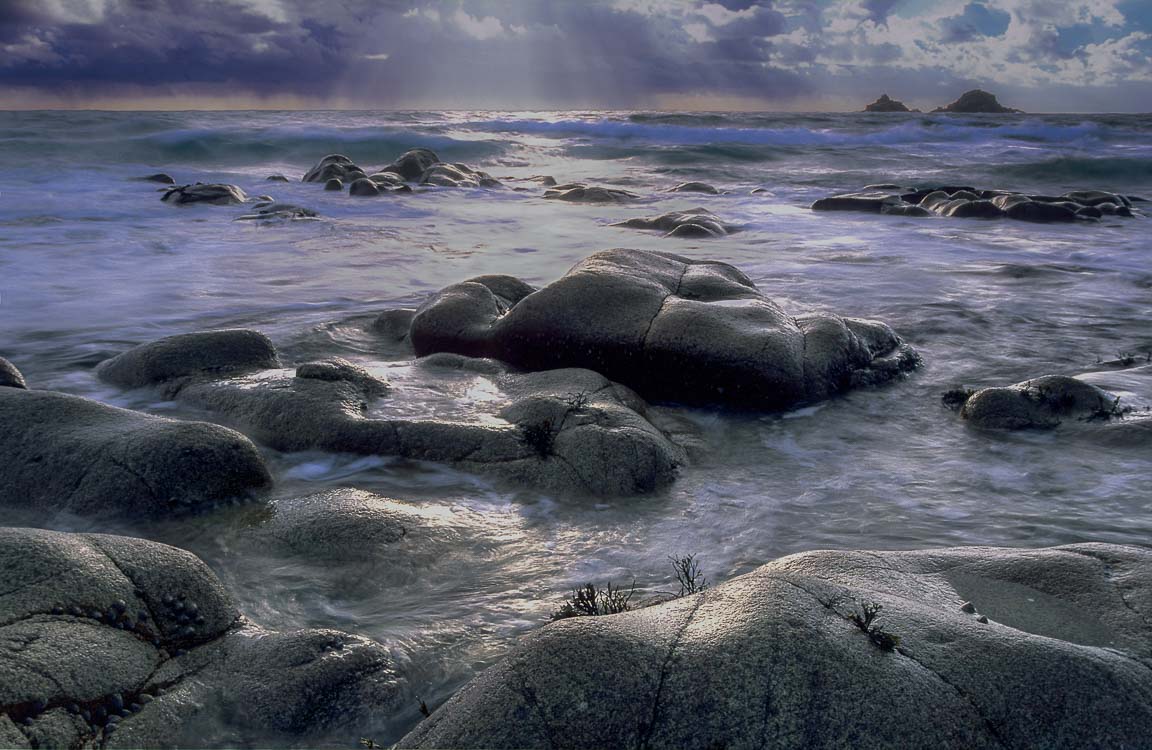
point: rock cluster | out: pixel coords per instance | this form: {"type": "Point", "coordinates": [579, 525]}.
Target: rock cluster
{"type": "Point", "coordinates": [948, 648]}
{"type": "Point", "coordinates": [118, 642]}
{"type": "Point", "coordinates": [970, 202]}
{"type": "Point", "coordinates": [214, 194]}
{"type": "Point", "coordinates": [420, 166]}
{"type": "Point", "coordinates": [672, 328]}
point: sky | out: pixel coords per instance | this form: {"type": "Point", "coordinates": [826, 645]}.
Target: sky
{"type": "Point", "coordinates": [782, 55]}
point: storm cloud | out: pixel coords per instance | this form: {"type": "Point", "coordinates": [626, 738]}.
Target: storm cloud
{"type": "Point", "coordinates": [592, 53]}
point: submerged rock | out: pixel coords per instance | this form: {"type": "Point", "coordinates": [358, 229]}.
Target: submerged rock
{"type": "Point", "coordinates": [886, 104]}
{"type": "Point", "coordinates": [977, 101]}
{"type": "Point", "coordinates": [333, 185]}
{"type": "Point", "coordinates": [130, 643]}
{"type": "Point", "coordinates": [215, 194]}
{"type": "Point", "coordinates": [578, 192]}
{"type": "Point", "coordinates": [1041, 403]}
{"type": "Point", "coordinates": [968, 202]}
{"type": "Point", "coordinates": [695, 222]}
{"type": "Point", "coordinates": [673, 328]}
{"type": "Point", "coordinates": [1054, 654]}
{"type": "Point", "coordinates": [66, 453]}
{"type": "Point", "coordinates": [276, 178]}
{"type": "Point", "coordinates": [10, 377]}
{"type": "Point", "coordinates": [567, 430]}
{"type": "Point", "coordinates": [231, 350]}
{"type": "Point", "coordinates": [695, 187]}
{"type": "Point", "coordinates": [365, 187]}
{"type": "Point", "coordinates": [161, 177]}
{"type": "Point", "coordinates": [279, 212]}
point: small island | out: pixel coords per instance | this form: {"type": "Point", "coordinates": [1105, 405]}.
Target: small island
{"type": "Point", "coordinates": [886, 104]}
{"type": "Point", "coordinates": [978, 101]}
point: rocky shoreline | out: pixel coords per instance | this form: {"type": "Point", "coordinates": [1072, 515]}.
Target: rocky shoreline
{"type": "Point", "coordinates": [576, 387]}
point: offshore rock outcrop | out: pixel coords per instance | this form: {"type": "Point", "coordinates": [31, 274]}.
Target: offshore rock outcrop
{"type": "Point", "coordinates": [118, 642]}
{"type": "Point", "coordinates": [672, 328]}
{"type": "Point", "coordinates": [977, 101]}
{"type": "Point", "coordinates": [951, 648]}
{"type": "Point", "coordinates": [420, 166]}
{"type": "Point", "coordinates": [578, 192]}
{"type": "Point", "coordinates": [969, 202]}
{"type": "Point", "coordinates": [886, 104]}
{"type": "Point", "coordinates": [66, 453]}
{"type": "Point", "coordinates": [567, 430]}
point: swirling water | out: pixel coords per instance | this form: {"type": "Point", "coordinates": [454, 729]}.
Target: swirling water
{"type": "Point", "coordinates": [92, 262]}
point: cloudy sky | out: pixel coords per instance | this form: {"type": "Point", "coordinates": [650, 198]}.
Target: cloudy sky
{"type": "Point", "coordinates": [1039, 55]}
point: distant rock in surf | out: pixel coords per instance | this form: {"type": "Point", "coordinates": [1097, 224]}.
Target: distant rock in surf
{"type": "Point", "coordinates": [279, 212]}
{"type": "Point", "coordinates": [276, 178]}
{"type": "Point", "coordinates": [695, 187]}
{"type": "Point", "coordinates": [695, 222]}
{"type": "Point", "coordinates": [332, 166]}
{"type": "Point", "coordinates": [674, 329]}
{"type": "Point", "coordinates": [160, 177]}
{"type": "Point", "coordinates": [578, 192]}
{"type": "Point", "coordinates": [977, 101]}
{"type": "Point", "coordinates": [969, 202]}
{"type": "Point", "coordinates": [215, 194]}
{"type": "Point", "coordinates": [457, 175]}
{"type": "Point", "coordinates": [419, 165]}
{"type": "Point", "coordinates": [885, 104]}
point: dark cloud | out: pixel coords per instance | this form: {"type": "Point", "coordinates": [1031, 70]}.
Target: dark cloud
{"type": "Point", "coordinates": [878, 10]}
{"type": "Point", "coordinates": [975, 22]}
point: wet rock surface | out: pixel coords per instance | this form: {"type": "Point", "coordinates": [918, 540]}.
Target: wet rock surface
{"type": "Point", "coordinates": [695, 187]}
{"type": "Point", "coordinates": [224, 351]}
{"type": "Point", "coordinates": [950, 648]}
{"type": "Point", "coordinates": [672, 328]}
{"type": "Point", "coordinates": [67, 453]}
{"type": "Point", "coordinates": [694, 223]}
{"type": "Point", "coordinates": [216, 194]}
{"type": "Point", "coordinates": [279, 212]}
{"type": "Point", "coordinates": [10, 377]}
{"type": "Point", "coordinates": [970, 202]}
{"type": "Point", "coordinates": [121, 642]}
{"type": "Point", "coordinates": [1049, 402]}
{"type": "Point", "coordinates": [568, 430]}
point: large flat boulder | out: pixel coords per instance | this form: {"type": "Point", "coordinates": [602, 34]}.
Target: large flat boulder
{"type": "Point", "coordinates": [66, 453]}
{"type": "Point", "coordinates": [672, 328]}
{"type": "Point", "coordinates": [122, 642]}
{"type": "Point", "coordinates": [233, 350]}
{"type": "Point", "coordinates": [565, 430]}
{"type": "Point", "coordinates": [970, 648]}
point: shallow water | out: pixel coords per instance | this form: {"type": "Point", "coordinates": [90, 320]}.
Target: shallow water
{"type": "Point", "coordinates": [92, 262]}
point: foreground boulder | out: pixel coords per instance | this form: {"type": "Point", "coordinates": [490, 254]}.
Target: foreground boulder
{"type": "Point", "coordinates": [214, 194]}
{"type": "Point", "coordinates": [578, 192]}
{"type": "Point", "coordinates": [1048, 402]}
{"type": "Point", "coordinates": [564, 430]}
{"type": "Point", "coordinates": [695, 222]}
{"type": "Point", "coordinates": [952, 648]}
{"type": "Point", "coordinates": [970, 202]}
{"type": "Point", "coordinates": [886, 104]}
{"type": "Point", "coordinates": [672, 328]}
{"type": "Point", "coordinates": [66, 453]}
{"type": "Point", "coordinates": [124, 642]}
{"type": "Point", "coordinates": [977, 101]}
{"type": "Point", "coordinates": [10, 377]}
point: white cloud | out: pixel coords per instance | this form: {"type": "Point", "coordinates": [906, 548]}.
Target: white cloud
{"type": "Point", "coordinates": [488, 27]}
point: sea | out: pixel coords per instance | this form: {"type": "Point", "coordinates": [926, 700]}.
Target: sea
{"type": "Point", "coordinates": [92, 262]}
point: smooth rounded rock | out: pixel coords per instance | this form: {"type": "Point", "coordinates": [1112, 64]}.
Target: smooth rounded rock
{"type": "Point", "coordinates": [218, 352]}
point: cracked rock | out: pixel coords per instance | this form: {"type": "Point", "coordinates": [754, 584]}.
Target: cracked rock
{"type": "Point", "coordinates": [771, 659]}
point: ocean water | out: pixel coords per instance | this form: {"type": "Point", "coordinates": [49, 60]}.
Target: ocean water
{"type": "Point", "coordinates": [92, 262]}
